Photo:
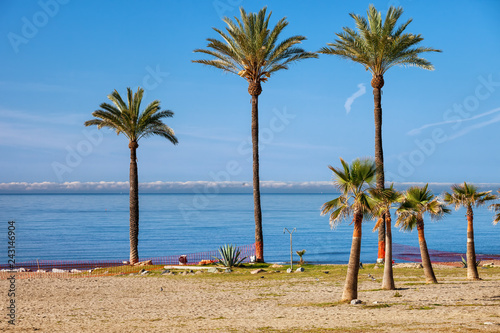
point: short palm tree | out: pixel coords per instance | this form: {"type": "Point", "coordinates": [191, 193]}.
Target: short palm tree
{"type": "Point", "coordinates": [496, 209]}
{"type": "Point", "coordinates": [384, 201]}
{"type": "Point", "coordinates": [467, 195]}
{"type": "Point", "coordinates": [418, 201]}
{"type": "Point", "coordinates": [352, 181]}
{"type": "Point", "coordinates": [250, 49]}
{"type": "Point", "coordinates": [126, 118]}
{"type": "Point", "coordinates": [378, 45]}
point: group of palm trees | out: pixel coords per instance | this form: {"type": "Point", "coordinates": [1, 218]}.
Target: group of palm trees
{"type": "Point", "coordinates": [250, 48]}
{"type": "Point", "coordinates": [359, 199]}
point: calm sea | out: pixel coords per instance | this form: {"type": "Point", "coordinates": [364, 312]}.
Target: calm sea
{"type": "Point", "coordinates": [95, 226]}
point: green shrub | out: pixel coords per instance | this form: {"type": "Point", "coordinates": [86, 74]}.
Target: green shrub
{"type": "Point", "coordinates": [229, 256]}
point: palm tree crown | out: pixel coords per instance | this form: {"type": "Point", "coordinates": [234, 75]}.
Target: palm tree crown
{"type": "Point", "coordinates": [251, 50]}
{"type": "Point", "coordinates": [467, 195]}
{"type": "Point", "coordinates": [126, 118]}
{"type": "Point", "coordinates": [378, 45]}
{"type": "Point", "coordinates": [352, 181]}
{"type": "Point", "coordinates": [496, 209]}
{"type": "Point", "coordinates": [383, 201]}
{"type": "Point", "coordinates": [417, 201]}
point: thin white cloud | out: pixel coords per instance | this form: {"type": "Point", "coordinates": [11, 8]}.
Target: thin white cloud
{"type": "Point", "coordinates": [197, 187]}
{"type": "Point", "coordinates": [67, 118]}
{"type": "Point", "coordinates": [36, 87]}
{"type": "Point", "coordinates": [419, 129]}
{"type": "Point", "coordinates": [474, 127]}
{"type": "Point", "coordinates": [361, 91]}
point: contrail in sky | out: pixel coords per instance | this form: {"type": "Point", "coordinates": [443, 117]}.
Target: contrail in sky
{"type": "Point", "coordinates": [350, 100]}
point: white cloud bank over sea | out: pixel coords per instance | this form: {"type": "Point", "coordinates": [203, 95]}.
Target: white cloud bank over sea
{"type": "Point", "coordinates": [201, 187]}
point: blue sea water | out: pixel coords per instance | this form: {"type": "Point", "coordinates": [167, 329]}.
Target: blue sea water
{"type": "Point", "coordinates": [96, 226]}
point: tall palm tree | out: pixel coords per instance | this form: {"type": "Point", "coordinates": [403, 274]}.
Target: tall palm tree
{"type": "Point", "coordinates": [250, 49]}
{"type": "Point", "coordinates": [418, 201]}
{"type": "Point", "coordinates": [352, 181]}
{"type": "Point", "coordinates": [467, 195]}
{"type": "Point", "coordinates": [384, 200]}
{"type": "Point", "coordinates": [378, 45]}
{"type": "Point", "coordinates": [126, 118]}
{"type": "Point", "coordinates": [496, 209]}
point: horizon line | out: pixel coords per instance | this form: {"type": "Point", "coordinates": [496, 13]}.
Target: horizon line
{"type": "Point", "coordinates": [198, 187]}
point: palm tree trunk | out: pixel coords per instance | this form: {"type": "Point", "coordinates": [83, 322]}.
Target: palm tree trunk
{"type": "Point", "coordinates": [259, 240]}
{"type": "Point", "coordinates": [379, 155]}
{"type": "Point", "coordinates": [472, 273]}
{"type": "Point", "coordinates": [351, 282]}
{"type": "Point", "coordinates": [388, 280]}
{"type": "Point", "coordinates": [134, 204]}
{"type": "Point", "coordinates": [424, 253]}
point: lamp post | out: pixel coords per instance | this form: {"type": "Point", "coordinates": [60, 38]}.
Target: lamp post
{"type": "Point", "coordinates": [291, 251]}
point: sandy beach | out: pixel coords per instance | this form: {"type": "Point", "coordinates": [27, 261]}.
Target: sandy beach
{"type": "Point", "coordinates": [266, 302]}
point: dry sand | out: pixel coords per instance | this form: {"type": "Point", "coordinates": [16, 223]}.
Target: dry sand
{"type": "Point", "coordinates": [268, 302]}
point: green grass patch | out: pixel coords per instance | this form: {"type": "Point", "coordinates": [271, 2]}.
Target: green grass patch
{"type": "Point", "coordinates": [421, 308]}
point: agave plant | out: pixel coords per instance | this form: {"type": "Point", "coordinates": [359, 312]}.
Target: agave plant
{"type": "Point", "coordinates": [464, 262]}
{"type": "Point", "coordinates": [229, 256]}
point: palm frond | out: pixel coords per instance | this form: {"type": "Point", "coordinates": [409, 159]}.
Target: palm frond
{"type": "Point", "coordinates": [250, 49]}
{"type": "Point", "coordinates": [377, 44]}
{"type": "Point", "coordinates": [353, 181]}
{"type": "Point", "coordinates": [495, 208]}
{"type": "Point", "coordinates": [416, 202]}
{"type": "Point", "coordinates": [464, 195]}
{"type": "Point", "coordinates": [127, 118]}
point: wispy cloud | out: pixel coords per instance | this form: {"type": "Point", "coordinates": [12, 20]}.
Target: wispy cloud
{"type": "Point", "coordinates": [455, 121]}
{"type": "Point", "coordinates": [35, 87]}
{"type": "Point", "coordinates": [37, 119]}
{"type": "Point", "coordinates": [350, 100]}
{"type": "Point", "coordinates": [474, 127]}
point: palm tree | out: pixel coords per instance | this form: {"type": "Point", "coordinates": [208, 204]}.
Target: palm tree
{"type": "Point", "coordinates": [418, 201]}
{"type": "Point", "coordinates": [378, 45]}
{"type": "Point", "coordinates": [352, 182]}
{"type": "Point", "coordinates": [496, 209]}
{"type": "Point", "coordinates": [251, 50]}
{"type": "Point", "coordinates": [126, 118]}
{"type": "Point", "coordinates": [384, 200]}
{"type": "Point", "coordinates": [467, 195]}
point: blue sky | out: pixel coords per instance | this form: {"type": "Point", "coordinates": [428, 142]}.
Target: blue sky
{"type": "Point", "coordinates": [60, 59]}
